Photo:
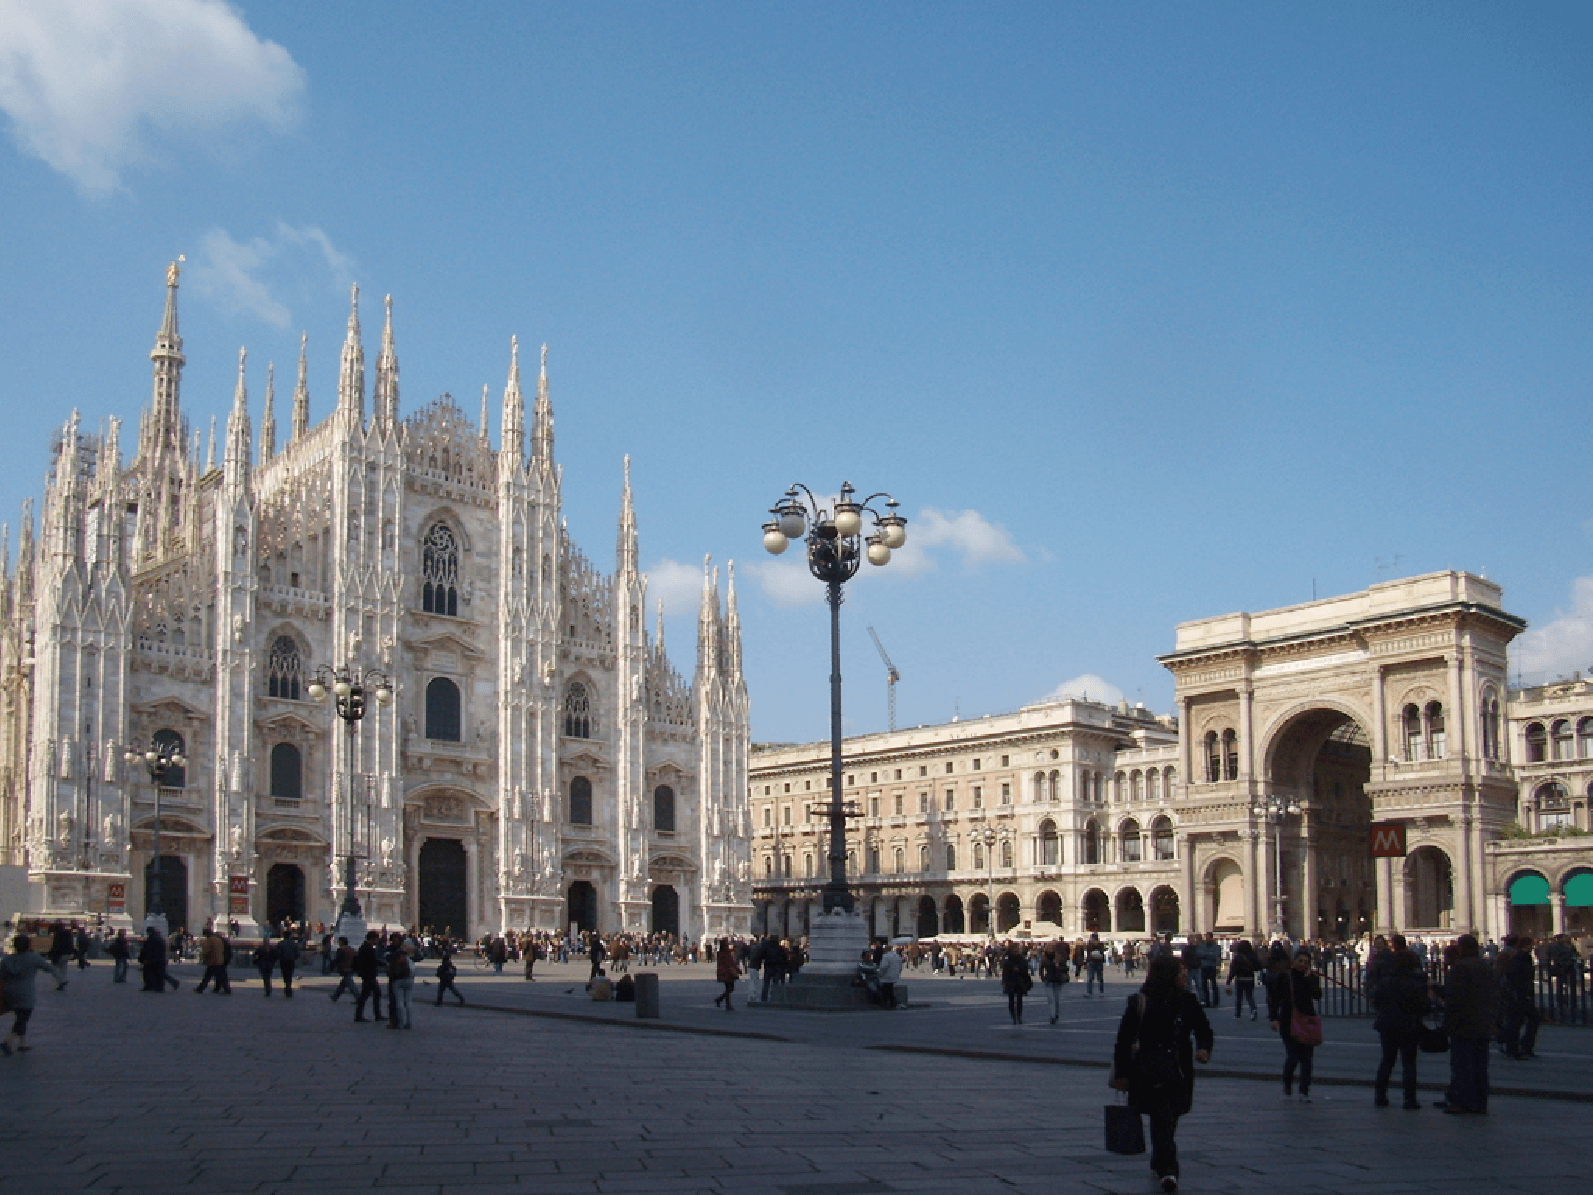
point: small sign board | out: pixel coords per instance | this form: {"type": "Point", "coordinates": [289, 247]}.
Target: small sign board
{"type": "Point", "coordinates": [116, 898]}
{"type": "Point", "coordinates": [1387, 840]}
{"type": "Point", "coordinates": [237, 896]}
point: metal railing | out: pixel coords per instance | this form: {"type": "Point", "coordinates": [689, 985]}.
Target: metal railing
{"type": "Point", "coordinates": [1563, 997]}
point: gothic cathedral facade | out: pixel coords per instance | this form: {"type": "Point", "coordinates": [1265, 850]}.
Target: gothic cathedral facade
{"type": "Point", "coordinates": [540, 765]}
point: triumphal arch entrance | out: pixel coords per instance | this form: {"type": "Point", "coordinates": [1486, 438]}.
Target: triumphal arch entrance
{"type": "Point", "coordinates": [1302, 728]}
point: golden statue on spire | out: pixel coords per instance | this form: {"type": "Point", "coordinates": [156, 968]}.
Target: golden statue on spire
{"type": "Point", "coordinates": [172, 270]}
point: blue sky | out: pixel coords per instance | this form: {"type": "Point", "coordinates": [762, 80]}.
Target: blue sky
{"type": "Point", "coordinates": [1145, 313]}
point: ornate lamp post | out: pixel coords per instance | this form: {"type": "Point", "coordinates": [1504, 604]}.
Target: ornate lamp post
{"type": "Point", "coordinates": [161, 758]}
{"type": "Point", "coordinates": [1273, 809]}
{"type": "Point", "coordinates": [348, 687]}
{"type": "Point", "coordinates": [836, 545]}
{"type": "Point", "coordinates": [989, 836]}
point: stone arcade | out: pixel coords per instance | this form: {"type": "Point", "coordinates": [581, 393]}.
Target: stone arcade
{"type": "Point", "coordinates": [542, 763]}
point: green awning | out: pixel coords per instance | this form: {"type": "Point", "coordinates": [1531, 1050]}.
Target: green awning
{"type": "Point", "coordinates": [1579, 890]}
{"type": "Point", "coordinates": [1529, 889]}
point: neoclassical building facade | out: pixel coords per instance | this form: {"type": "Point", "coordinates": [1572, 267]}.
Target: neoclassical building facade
{"type": "Point", "coordinates": [1302, 735]}
{"type": "Point", "coordinates": [542, 764]}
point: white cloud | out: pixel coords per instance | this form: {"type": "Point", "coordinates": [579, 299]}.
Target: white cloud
{"type": "Point", "coordinates": [966, 531]}
{"type": "Point", "coordinates": [1088, 686]}
{"type": "Point", "coordinates": [786, 582]}
{"type": "Point", "coordinates": [242, 275]}
{"type": "Point", "coordinates": [82, 80]}
{"type": "Point", "coordinates": [1562, 645]}
{"type": "Point", "coordinates": [677, 585]}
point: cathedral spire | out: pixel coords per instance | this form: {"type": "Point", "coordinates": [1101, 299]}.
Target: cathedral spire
{"type": "Point", "coordinates": [351, 367]}
{"type": "Point", "coordinates": [658, 632]}
{"type": "Point", "coordinates": [210, 444]}
{"type": "Point", "coordinates": [732, 639]}
{"type": "Point", "coordinates": [165, 418]}
{"type": "Point", "coordinates": [708, 622]}
{"type": "Point", "coordinates": [625, 549]}
{"type": "Point", "coordinates": [542, 418]}
{"type": "Point", "coordinates": [511, 434]}
{"type": "Point", "coordinates": [301, 397]}
{"type": "Point", "coordinates": [268, 420]}
{"type": "Point", "coordinates": [385, 400]}
{"type": "Point", "coordinates": [236, 459]}
{"type": "Point", "coordinates": [486, 433]}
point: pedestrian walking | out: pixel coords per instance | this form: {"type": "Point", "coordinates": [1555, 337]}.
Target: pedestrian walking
{"type": "Point", "coordinates": [1521, 1018]}
{"type": "Point", "coordinates": [152, 958]}
{"type": "Point", "coordinates": [726, 971]}
{"type": "Point", "coordinates": [400, 984]}
{"type": "Point", "coordinates": [1016, 981]}
{"type": "Point", "coordinates": [1291, 1009]}
{"type": "Point", "coordinates": [60, 951]}
{"type": "Point", "coordinates": [215, 952]}
{"type": "Point", "coordinates": [446, 971]}
{"type": "Point", "coordinates": [1471, 1014]}
{"type": "Point", "coordinates": [1401, 1002]}
{"type": "Point", "coordinates": [343, 964]}
{"type": "Point", "coordinates": [288, 952]}
{"type": "Point", "coordinates": [890, 970]}
{"type": "Point", "coordinates": [265, 960]}
{"type": "Point", "coordinates": [368, 966]}
{"type": "Point", "coordinates": [17, 970]}
{"type": "Point", "coordinates": [120, 951]}
{"type": "Point", "coordinates": [1163, 1033]}
{"type": "Point", "coordinates": [1243, 965]}
{"type": "Point", "coordinates": [1053, 975]}
{"type": "Point", "coordinates": [1094, 966]}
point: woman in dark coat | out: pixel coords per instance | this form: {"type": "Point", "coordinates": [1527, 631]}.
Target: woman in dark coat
{"type": "Point", "coordinates": [1296, 990]}
{"type": "Point", "coordinates": [726, 971]}
{"type": "Point", "coordinates": [1242, 968]}
{"type": "Point", "coordinates": [1155, 1056]}
{"type": "Point", "coordinates": [1400, 999]}
{"type": "Point", "coordinates": [1015, 980]}
{"type": "Point", "coordinates": [152, 957]}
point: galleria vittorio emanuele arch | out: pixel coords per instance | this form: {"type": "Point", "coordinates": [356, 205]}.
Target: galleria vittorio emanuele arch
{"type": "Point", "coordinates": [1303, 737]}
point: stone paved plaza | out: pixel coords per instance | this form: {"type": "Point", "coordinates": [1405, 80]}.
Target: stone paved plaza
{"type": "Point", "coordinates": [127, 1090]}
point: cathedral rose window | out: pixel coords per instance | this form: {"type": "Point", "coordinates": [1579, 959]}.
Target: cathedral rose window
{"type": "Point", "coordinates": [439, 571]}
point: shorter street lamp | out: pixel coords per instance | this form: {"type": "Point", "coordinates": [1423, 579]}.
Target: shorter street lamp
{"type": "Point", "coordinates": [162, 757]}
{"type": "Point", "coordinates": [989, 836]}
{"type": "Point", "coordinates": [348, 687]}
{"type": "Point", "coordinates": [1273, 809]}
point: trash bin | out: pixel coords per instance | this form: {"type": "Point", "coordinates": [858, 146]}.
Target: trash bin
{"type": "Point", "coordinates": [647, 994]}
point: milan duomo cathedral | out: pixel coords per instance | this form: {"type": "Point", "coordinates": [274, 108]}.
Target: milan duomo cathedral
{"type": "Point", "coordinates": [540, 764]}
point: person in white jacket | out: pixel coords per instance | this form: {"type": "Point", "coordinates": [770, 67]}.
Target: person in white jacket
{"type": "Point", "coordinates": [890, 970]}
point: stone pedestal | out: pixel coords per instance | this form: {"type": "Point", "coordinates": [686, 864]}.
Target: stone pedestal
{"type": "Point", "coordinates": [836, 942]}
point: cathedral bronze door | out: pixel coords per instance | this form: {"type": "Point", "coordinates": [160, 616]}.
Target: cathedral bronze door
{"type": "Point", "coordinates": [173, 889]}
{"type": "Point", "coordinates": [443, 907]}
{"type": "Point", "coordinates": [284, 895]}
{"type": "Point", "coordinates": [583, 906]}
{"type": "Point", "coordinates": [666, 910]}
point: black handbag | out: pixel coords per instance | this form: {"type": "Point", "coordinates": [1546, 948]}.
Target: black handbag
{"type": "Point", "coordinates": [1434, 1040]}
{"type": "Point", "coordinates": [1125, 1132]}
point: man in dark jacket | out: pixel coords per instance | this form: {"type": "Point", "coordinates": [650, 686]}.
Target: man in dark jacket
{"type": "Point", "coordinates": [288, 952]}
{"type": "Point", "coordinates": [1400, 999]}
{"type": "Point", "coordinates": [368, 962]}
{"type": "Point", "coordinates": [1471, 1014]}
{"type": "Point", "coordinates": [1520, 1000]}
{"type": "Point", "coordinates": [152, 957]}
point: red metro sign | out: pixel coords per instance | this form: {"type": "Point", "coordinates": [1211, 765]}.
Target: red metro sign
{"type": "Point", "coordinates": [1388, 840]}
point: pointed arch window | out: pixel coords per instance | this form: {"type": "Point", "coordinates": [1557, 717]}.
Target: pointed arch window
{"type": "Point", "coordinates": [442, 710]}
{"type": "Point", "coordinates": [439, 571]}
{"type": "Point", "coordinates": [284, 669]}
{"type": "Point", "coordinates": [581, 801]}
{"type": "Point", "coordinates": [578, 721]}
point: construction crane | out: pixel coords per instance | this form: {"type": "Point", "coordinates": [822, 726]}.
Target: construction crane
{"type": "Point", "coordinates": [891, 677]}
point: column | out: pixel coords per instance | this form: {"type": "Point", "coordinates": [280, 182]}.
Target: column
{"type": "Point", "coordinates": [473, 912]}
{"type": "Point", "coordinates": [1252, 923]}
{"type": "Point", "coordinates": [1186, 771]}
{"type": "Point", "coordinates": [1308, 883]}
{"type": "Point", "coordinates": [1379, 721]}
{"type": "Point", "coordinates": [1246, 746]}
{"type": "Point", "coordinates": [1397, 898]}
{"type": "Point", "coordinates": [1383, 915]}
{"type": "Point", "coordinates": [1465, 918]}
{"type": "Point", "coordinates": [1264, 893]}
{"type": "Point", "coordinates": [1557, 912]}
{"type": "Point", "coordinates": [1190, 914]}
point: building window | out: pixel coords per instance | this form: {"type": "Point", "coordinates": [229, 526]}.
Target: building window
{"type": "Point", "coordinates": [287, 772]}
{"type": "Point", "coordinates": [873, 777]}
{"type": "Point", "coordinates": [439, 571]}
{"type": "Point", "coordinates": [1553, 807]}
{"type": "Point", "coordinates": [923, 802]}
{"type": "Point", "coordinates": [979, 796]}
{"type": "Point", "coordinates": [923, 857]}
{"type": "Point", "coordinates": [768, 816]}
{"type": "Point", "coordinates": [807, 864]}
{"type": "Point", "coordinates": [1004, 762]}
{"type": "Point", "coordinates": [442, 710]}
{"type": "Point", "coordinates": [1092, 843]}
{"type": "Point", "coordinates": [1230, 755]}
{"type": "Point", "coordinates": [948, 767]}
{"type": "Point", "coordinates": [664, 808]}
{"type": "Point", "coordinates": [1213, 758]}
{"type": "Point", "coordinates": [1006, 852]}
{"type": "Point", "coordinates": [897, 803]}
{"type": "Point", "coordinates": [899, 861]}
{"type": "Point", "coordinates": [1162, 839]}
{"type": "Point", "coordinates": [1128, 842]}
{"type": "Point", "coordinates": [785, 815]}
{"type": "Point", "coordinates": [1537, 743]}
{"type": "Point", "coordinates": [1006, 792]}
{"type": "Point", "coordinates": [1039, 787]}
{"type": "Point", "coordinates": [951, 799]}
{"type": "Point", "coordinates": [873, 807]}
{"type": "Point", "coordinates": [1433, 716]}
{"type": "Point", "coordinates": [976, 764]}
{"type": "Point", "coordinates": [284, 669]}
{"type": "Point", "coordinates": [1560, 737]}
{"type": "Point", "coordinates": [951, 856]}
{"type": "Point", "coordinates": [923, 769]}
{"type": "Point", "coordinates": [1411, 722]}
{"type": "Point", "coordinates": [979, 856]}
{"type": "Point", "coordinates": [1048, 844]}
{"type": "Point", "coordinates": [1584, 735]}
{"type": "Point", "coordinates": [581, 801]}
{"type": "Point", "coordinates": [578, 720]}
{"type": "Point", "coordinates": [898, 773]}
{"type": "Point", "coordinates": [873, 859]}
